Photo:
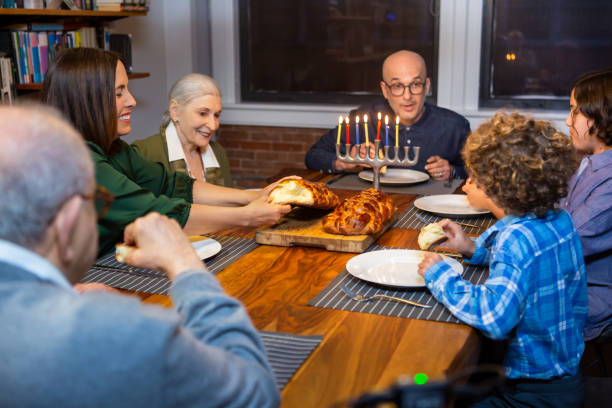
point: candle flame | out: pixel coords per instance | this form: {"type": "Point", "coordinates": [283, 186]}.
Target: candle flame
{"type": "Point", "coordinates": [347, 120]}
{"type": "Point", "coordinates": [339, 119]}
{"type": "Point", "coordinates": [379, 115]}
{"type": "Point", "coordinates": [397, 120]}
{"type": "Point", "coordinates": [357, 119]}
{"type": "Point", "coordinates": [386, 119]}
{"type": "Point", "coordinates": [365, 118]}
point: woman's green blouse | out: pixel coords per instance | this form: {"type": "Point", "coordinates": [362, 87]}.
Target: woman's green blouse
{"type": "Point", "coordinates": [139, 186]}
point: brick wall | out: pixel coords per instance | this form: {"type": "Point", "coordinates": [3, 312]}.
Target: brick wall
{"type": "Point", "coordinates": [258, 152]}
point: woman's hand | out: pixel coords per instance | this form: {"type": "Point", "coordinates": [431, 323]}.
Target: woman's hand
{"type": "Point", "coordinates": [428, 260]}
{"type": "Point", "coordinates": [261, 212]}
{"type": "Point", "coordinates": [457, 239]}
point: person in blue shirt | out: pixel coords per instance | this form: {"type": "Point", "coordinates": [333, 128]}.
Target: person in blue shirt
{"type": "Point", "coordinates": [439, 132]}
{"type": "Point", "coordinates": [89, 348]}
{"type": "Point", "coordinates": [590, 192]}
{"type": "Point", "coordinates": [535, 296]}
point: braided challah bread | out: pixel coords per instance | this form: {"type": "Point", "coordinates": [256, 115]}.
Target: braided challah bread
{"type": "Point", "coordinates": [365, 213]}
{"type": "Point", "coordinates": [304, 193]}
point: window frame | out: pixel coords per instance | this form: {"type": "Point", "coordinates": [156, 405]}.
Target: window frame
{"type": "Point", "coordinates": [488, 102]}
{"type": "Point", "coordinates": [460, 35]}
{"type": "Point", "coordinates": [317, 97]}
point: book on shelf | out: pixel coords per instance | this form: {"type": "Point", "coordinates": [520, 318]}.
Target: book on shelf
{"type": "Point", "coordinates": [33, 51]}
{"type": "Point", "coordinates": [7, 82]}
{"type": "Point", "coordinates": [33, 4]}
{"type": "Point", "coordinates": [35, 27]}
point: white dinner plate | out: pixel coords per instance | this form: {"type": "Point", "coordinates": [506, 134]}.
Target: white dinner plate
{"type": "Point", "coordinates": [392, 267]}
{"type": "Point", "coordinates": [396, 176]}
{"type": "Point", "coordinates": [206, 247]}
{"type": "Point", "coordinates": [448, 205]}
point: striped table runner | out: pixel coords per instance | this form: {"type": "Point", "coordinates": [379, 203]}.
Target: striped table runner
{"type": "Point", "coordinates": [110, 272]}
{"type": "Point", "coordinates": [332, 297]}
{"type": "Point", "coordinates": [287, 352]}
{"type": "Point", "coordinates": [408, 220]}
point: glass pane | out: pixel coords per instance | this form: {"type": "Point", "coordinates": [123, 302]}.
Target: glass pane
{"type": "Point", "coordinates": [328, 50]}
{"type": "Point", "coordinates": [536, 49]}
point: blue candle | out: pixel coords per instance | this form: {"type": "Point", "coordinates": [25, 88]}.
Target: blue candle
{"type": "Point", "coordinates": [386, 130]}
{"type": "Point", "coordinates": [357, 129]}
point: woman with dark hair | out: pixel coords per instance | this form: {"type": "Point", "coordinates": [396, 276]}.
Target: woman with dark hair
{"type": "Point", "coordinates": [589, 199]}
{"type": "Point", "coordinates": [90, 86]}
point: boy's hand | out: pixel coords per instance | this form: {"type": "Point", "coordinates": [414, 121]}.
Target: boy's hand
{"type": "Point", "coordinates": [428, 260]}
{"type": "Point", "coordinates": [457, 239]}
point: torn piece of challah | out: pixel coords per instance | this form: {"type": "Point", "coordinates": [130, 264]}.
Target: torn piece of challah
{"type": "Point", "coordinates": [430, 235]}
{"type": "Point", "coordinates": [304, 193]}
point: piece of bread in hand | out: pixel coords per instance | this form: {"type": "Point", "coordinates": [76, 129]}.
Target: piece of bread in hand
{"type": "Point", "coordinates": [304, 193]}
{"type": "Point", "coordinates": [430, 235]}
{"type": "Point", "coordinates": [121, 251]}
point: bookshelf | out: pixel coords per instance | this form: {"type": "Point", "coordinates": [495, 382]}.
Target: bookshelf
{"type": "Point", "coordinates": [19, 15]}
{"type": "Point", "coordinates": [10, 16]}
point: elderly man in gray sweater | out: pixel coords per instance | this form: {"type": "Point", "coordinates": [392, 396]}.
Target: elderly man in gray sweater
{"type": "Point", "coordinates": [64, 348]}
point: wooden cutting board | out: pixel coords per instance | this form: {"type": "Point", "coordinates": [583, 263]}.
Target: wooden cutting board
{"type": "Point", "coordinates": [303, 226]}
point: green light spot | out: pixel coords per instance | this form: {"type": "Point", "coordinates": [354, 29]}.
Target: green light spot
{"type": "Point", "coordinates": [420, 378]}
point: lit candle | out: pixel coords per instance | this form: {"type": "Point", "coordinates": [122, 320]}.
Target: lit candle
{"type": "Point", "coordinates": [396, 131]}
{"type": "Point", "coordinates": [357, 128]}
{"type": "Point", "coordinates": [365, 126]}
{"type": "Point", "coordinates": [347, 130]}
{"type": "Point", "coordinates": [339, 128]}
{"type": "Point", "coordinates": [386, 130]}
{"type": "Point", "coordinates": [378, 128]}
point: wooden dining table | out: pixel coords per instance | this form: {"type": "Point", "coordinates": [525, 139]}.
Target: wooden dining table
{"type": "Point", "coordinates": [359, 352]}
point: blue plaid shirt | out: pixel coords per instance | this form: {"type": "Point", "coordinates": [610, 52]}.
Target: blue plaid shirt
{"type": "Point", "coordinates": [535, 296]}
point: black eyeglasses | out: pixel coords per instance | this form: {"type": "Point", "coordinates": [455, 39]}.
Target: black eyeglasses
{"type": "Point", "coordinates": [398, 89]}
{"type": "Point", "coordinates": [102, 200]}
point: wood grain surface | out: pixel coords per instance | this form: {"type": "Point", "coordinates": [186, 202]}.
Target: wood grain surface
{"type": "Point", "coordinates": [304, 226]}
{"type": "Point", "coordinates": [360, 352]}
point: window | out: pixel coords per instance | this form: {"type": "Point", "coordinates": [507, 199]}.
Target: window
{"type": "Point", "coordinates": [329, 51]}
{"type": "Point", "coordinates": [534, 50]}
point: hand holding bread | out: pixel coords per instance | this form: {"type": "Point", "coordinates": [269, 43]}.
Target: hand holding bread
{"type": "Point", "coordinates": [158, 242]}
{"type": "Point", "coordinates": [304, 193]}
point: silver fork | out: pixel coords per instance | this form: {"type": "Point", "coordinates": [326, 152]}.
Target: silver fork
{"type": "Point", "coordinates": [360, 298]}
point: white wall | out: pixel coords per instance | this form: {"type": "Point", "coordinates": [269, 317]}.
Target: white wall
{"type": "Point", "coordinates": [162, 44]}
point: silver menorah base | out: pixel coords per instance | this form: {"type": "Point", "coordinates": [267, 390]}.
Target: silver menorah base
{"type": "Point", "coordinates": [377, 162]}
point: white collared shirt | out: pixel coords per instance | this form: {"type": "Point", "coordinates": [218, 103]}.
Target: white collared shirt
{"type": "Point", "coordinates": [32, 263]}
{"type": "Point", "coordinates": [175, 149]}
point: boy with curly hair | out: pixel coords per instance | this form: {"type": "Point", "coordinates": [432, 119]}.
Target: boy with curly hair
{"type": "Point", "coordinates": [535, 295]}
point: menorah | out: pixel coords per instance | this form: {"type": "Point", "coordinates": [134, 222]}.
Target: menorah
{"type": "Point", "coordinates": [375, 160]}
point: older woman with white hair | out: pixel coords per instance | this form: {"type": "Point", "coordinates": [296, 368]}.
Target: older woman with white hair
{"type": "Point", "coordinates": [184, 140]}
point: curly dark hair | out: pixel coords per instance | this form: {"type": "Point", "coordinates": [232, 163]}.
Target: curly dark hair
{"type": "Point", "coordinates": [593, 94]}
{"type": "Point", "coordinates": [522, 164]}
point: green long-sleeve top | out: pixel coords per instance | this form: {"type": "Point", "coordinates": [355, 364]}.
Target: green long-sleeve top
{"type": "Point", "coordinates": [139, 186]}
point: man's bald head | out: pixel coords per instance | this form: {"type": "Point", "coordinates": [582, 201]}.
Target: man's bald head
{"type": "Point", "coordinates": [405, 85]}
{"type": "Point", "coordinates": [404, 58]}
{"type": "Point", "coordinates": [43, 162]}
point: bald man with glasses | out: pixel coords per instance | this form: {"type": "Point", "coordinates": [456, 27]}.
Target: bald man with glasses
{"type": "Point", "coordinates": [439, 132]}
